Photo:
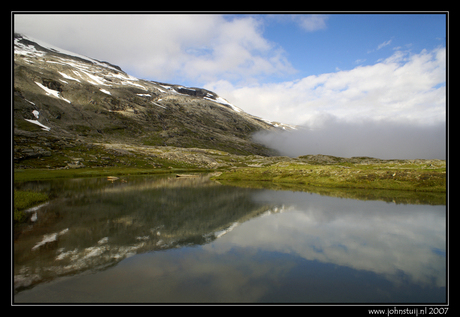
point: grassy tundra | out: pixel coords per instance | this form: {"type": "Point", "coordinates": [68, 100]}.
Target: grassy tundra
{"type": "Point", "coordinates": [367, 173]}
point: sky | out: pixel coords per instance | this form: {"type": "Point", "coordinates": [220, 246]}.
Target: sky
{"type": "Point", "coordinates": [337, 76]}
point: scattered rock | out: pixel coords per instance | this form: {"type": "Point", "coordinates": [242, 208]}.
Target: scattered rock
{"type": "Point", "coordinates": [76, 163]}
{"type": "Point", "coordinates": [32, 152]}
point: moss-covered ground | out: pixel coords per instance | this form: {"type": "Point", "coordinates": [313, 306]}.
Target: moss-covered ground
{"type": "Point", "coordinates": [395, 176]}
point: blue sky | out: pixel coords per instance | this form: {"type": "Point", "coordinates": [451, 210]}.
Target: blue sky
{"type": "Point", "coordinates": [349, 40]}
{"type": "Point", "coordinates": [314, 70]}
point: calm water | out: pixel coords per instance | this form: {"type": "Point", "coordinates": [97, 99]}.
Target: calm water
{"type": "Point", "coordinates": [165, 239]}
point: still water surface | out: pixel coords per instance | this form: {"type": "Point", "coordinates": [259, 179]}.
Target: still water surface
{"type": "Point", "coordinates": [165, 239]}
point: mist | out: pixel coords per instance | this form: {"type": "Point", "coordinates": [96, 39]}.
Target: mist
{"type": "Point", "coordinates": [382, 139]}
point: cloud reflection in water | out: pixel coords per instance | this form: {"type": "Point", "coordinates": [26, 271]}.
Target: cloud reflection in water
{"type": "Point", "coordinates": [380, 237]}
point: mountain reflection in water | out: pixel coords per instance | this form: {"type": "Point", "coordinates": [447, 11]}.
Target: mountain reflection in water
{"type": "Point", "coordinates": [246, 244]}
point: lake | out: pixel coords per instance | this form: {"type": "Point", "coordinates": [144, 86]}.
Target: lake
{"type": "Point", "coordinates": [162, 239]}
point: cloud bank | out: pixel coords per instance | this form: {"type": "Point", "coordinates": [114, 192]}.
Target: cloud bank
{"type": "Point", "coordinates": [383, 139]}
{"type": "Point", "coordinates": [403, 87]}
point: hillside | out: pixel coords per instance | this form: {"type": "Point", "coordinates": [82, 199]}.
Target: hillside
{"type": "Point", "coordinates": [63, 100]}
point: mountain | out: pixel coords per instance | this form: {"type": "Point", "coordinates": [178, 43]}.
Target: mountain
{"type": "Point", "coordinates": [60, 96]}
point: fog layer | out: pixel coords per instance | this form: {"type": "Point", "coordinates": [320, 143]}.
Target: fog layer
{"type": "Point", "coordinates": [380, 139]}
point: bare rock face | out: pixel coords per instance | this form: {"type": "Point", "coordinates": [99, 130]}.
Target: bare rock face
{"type": "Point", "coordinates": [77, 97]}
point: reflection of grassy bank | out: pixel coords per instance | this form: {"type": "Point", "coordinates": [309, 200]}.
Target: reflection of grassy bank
{"type": "Point", "coordinates": [24, 200]}
{"type": "Point", "coordinates": [405, 176]}
{"type": "Point", "coordinates": [390, 196]}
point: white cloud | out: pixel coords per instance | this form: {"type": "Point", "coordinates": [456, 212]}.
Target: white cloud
{"type": "Point", "coordinates": [384, 44]}
{"type": "Point", "coordinates": [194, 47]}
{"type": "Point", "coordinates": [400, 88]}
{"type": "Point", "coordinates": [311, 22]}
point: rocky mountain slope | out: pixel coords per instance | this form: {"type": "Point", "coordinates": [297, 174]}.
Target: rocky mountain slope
{"type": "Point", "coordinates": [64, 98]}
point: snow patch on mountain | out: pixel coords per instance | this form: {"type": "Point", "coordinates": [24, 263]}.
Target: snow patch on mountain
{"type": "Point", "coordinates": [52, 92]}
{"type": "Point", "coordinates": [68, 77]}
{"type": "Point", "coordinates": [224, 102]}
{"type": "Point", "coordinates": [44, 127]}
